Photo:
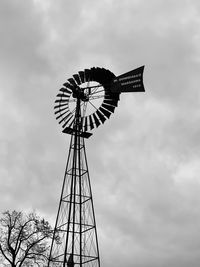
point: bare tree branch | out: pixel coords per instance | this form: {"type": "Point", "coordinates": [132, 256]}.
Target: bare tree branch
{"type": "Point", "coordinates": [24, 239]}
{"type": "Point", "coordinates": [4, 254]}
{"type": "Point", "coordinates": [29, 248]}
{"type": "Point", "coordinates": [19, 240]}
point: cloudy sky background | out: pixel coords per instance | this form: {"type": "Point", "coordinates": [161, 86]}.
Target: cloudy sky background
{"type": "Point", "coordinates": [144, 162]}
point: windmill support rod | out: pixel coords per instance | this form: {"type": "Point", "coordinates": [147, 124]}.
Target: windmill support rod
{"type": "Point", "coordinates": [59, 207]}
{"type": "Point", "coordinates": [98, 257]}
{"type": "Point", "coordinates": [69, 216]}
{"type": "Point", "coordinates": [80, 202]}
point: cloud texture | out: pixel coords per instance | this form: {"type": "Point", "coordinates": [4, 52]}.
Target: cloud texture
{"type": "Point", "coordinates": [144, 162]}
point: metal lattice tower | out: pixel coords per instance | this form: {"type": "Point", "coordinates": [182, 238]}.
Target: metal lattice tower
{"type": "Point", "coordinates": [74, 240]}
{"type": "Point", "coordinates": [75, 223]}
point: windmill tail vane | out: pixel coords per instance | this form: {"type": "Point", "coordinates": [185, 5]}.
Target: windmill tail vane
{"type": "Point", "coordinates": [84, 102]}
{"type": "Point", "coordinates": [131, 81]}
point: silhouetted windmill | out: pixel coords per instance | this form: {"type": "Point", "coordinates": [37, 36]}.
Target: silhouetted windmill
{"type": "Point", "coordinates": [85, 102]}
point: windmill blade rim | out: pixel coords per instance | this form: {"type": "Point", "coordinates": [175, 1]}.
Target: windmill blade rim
{"type": "Point", "coordinates": [109, 101]}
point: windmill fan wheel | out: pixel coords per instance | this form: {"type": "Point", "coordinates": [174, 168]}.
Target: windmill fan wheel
{"type": "Point", "coordinates": [97, 102]}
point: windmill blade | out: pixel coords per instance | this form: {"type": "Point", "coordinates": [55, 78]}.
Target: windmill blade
{"type": "Point", "coordinates": [71, 123]}
{"type": "Point", "coordinates": [96, 75]}
{"type": "Point", "coordinates": [100, 76]}
{"type": "Point", "coordinates": [82, 77]}
{"type": "Point", "coordinates": [61, 105]}
{"type": "Point", "coordinates": [105, 112]}
{"type": "Point", "coordinates": [85, 124]}
{"type": "Point", "coordinates": [62, 95]}
{"type": "Point", "coordinates": [107, 77]}
{"type": "Point", "coordinates": [111, 102]}
{"type": "Point", "coordinates": [69, 86]}
{"type": "Point", "coordinates": [66, 91]}
{"type": "Point", "coordinates": [87, 75]}
{"type": "Point", "coordinates": [77, 79]}
{"type": "Point", "coordinates": [131, 81]}
{"type": "Point", "coordinates": [69, 129]}
{"type": "Point", "coordinates": [91, 124]}
{"type": "Point", "coordinates": [71, 80]}
{"type": "Point", "coordinates": [101, 117]}
{"type": "Point", "coordinates": [96, 120]}
{"type": "Point", "coordinates": [61, 100]}
{"type": "Point", "coordinates": [108, 107]}
{"type": "Point", "coordinates": [62, 114]}
{"type": "Point", "coordinates": [59, 110]}
{"type": "Point", "coordinates": [66, 122]}
{"type": "Point", "coordinates": [93, 74]}
{"type": "Point", "coordinates": [64, 118]}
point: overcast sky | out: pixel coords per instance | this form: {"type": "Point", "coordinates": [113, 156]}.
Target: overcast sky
{"type": "Point", "coordinates": [144, 162]}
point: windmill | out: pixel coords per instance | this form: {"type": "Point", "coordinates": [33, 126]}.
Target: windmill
{"type": "Point", "coordinates": [84, 102]}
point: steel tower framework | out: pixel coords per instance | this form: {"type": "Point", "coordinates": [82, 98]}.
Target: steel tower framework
{"type": "Point", "coordinates": [75, 234]}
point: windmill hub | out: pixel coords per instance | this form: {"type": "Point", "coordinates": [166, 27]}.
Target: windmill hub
{"type": "Point", "coordinates": [79, 93]}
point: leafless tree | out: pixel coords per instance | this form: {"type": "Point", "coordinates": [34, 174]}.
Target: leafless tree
{"type": "Point", "coordinates": [24, 239]}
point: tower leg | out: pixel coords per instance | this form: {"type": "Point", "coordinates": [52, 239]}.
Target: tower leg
{"type": "Point", "coordinates": [75, 236]}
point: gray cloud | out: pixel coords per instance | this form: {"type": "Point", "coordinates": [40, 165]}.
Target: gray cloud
{"type": "Point", "coordinates": [144, 169]}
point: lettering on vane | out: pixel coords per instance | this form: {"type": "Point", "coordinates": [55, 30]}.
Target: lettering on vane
{"type": "Point", "coordinates": [131, 82]}
{"type": "Point", "coordinates": [127, 77]}
{"type": "Point", "coordinates": [137, 85]}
